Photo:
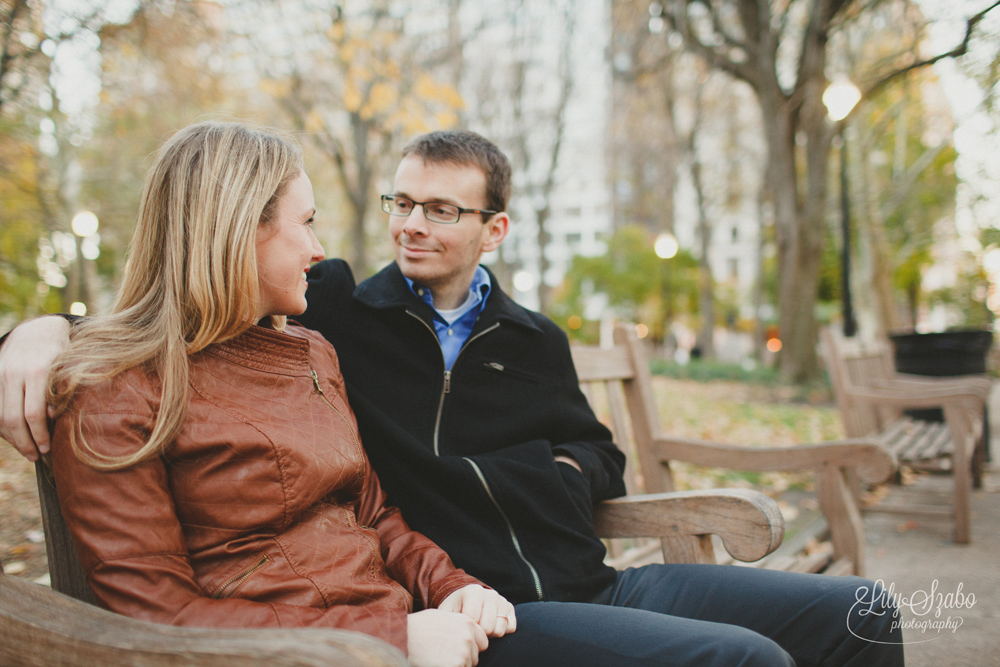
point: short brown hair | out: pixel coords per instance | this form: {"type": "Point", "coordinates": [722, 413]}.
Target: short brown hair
{"type": "Point", "coordinates": [466, 148]}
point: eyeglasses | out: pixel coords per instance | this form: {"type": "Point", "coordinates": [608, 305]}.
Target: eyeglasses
{"type": "Point", "coordinates": [435, 211]}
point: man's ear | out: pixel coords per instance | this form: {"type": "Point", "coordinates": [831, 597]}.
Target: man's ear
{"type": "Point", "coordinates": [496, 231]}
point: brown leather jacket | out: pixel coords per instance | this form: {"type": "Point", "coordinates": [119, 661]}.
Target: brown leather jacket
{"type": "Point", "coordinates": [263, 512]}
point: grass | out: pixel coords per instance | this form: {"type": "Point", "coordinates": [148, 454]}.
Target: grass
{"type": "Point", "coordinates": [742, 413]}
{"type": "Point", "coordinates": [704, 370]}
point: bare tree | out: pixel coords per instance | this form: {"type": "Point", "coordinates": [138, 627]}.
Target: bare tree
{"type": "Point", "coordinates": [743, 38]}
{"type": "Point", "coordinates": [528, 122]}
{"type": "Point", "coordinates": [352, 84]}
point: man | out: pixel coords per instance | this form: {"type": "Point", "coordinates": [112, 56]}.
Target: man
{"type": "Point", "coordinates": [469, 409]}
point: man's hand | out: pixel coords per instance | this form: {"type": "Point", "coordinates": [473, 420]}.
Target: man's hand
{"type": "Point", "coordinates": [436, 638]}
{"type": "Point", "coordinates": [486, 607]}
{"type": "Point", "coordinates": [25, 359]}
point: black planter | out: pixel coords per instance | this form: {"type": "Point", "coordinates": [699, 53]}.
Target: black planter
{"type": "Point", "coordinates": [943, 354]}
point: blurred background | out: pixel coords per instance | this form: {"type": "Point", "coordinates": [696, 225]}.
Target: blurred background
{"type": "Point", "coordinates": [729, 174]}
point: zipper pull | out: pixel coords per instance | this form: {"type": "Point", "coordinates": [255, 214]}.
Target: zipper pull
{"type": "Point", "coordinates": [447, 382]}
{"type": "Point", "coordinates": [319, 390]}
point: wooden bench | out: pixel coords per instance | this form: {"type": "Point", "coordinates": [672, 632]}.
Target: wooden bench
{"type": "Point", "coordinates": [872, 397]}
{"type": "Point", "coordinates": [621, 375]}
{"type": "Point", "coordinates": [41, 627]}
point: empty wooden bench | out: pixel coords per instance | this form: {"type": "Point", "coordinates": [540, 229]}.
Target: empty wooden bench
{"type": "Point", "coordinates": [621, 375]}
{"type": "Point", "coordinates": [871, 397]}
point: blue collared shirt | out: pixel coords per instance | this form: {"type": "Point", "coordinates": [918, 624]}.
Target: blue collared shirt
{"type": "Point", "coordinates": [454, 326]}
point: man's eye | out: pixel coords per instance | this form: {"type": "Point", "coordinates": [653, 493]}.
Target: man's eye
{"type": "Point", "coordinates": [442, 209]}
{"type": "Point", "coordinates": [403, 205]}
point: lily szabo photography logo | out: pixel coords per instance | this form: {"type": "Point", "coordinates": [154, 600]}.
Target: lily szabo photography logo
{"type": "Point", "coordinates": [932, 614]}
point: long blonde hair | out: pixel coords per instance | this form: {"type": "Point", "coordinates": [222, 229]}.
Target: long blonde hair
{"type": "Point", "coordinates": [191, 276]}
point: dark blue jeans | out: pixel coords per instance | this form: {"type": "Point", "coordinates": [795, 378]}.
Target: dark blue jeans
{"type": "Point", "coordinates": [707, 616]}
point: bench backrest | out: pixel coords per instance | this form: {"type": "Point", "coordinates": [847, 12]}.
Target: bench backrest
{"type": "Point", "coordinates": [65, 572]}
{"type": "Point", "coordinates": [854, 363]}
{"type": "Point", "coordinates": [616, 381]}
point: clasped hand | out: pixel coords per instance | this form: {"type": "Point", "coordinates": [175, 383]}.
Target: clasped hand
{"type": "Point", "coordinates": [456, 632]}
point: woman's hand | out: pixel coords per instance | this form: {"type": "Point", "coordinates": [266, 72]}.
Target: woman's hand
{"type": "Point", "coordinates": [486, 607]}
{"type": "Point", "coordinates": [437, 638]}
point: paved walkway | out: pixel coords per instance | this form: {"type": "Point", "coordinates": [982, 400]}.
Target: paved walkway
{"type": "Point", "coordinates": [918, 556]}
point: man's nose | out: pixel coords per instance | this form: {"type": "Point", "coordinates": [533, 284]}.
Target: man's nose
{"type": "Point", "coordinates": [416, 222]}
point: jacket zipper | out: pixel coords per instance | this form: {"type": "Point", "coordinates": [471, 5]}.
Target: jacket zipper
{"type": "Point", "coordinates": [446, 387]}
{"type": "Point", "coordinates": [445, 390]}
{"type": "Point", "coordinates": [510, 527]}
{"type": "Point", "coordinates": [354, 436]}
{"type": "Point", "coordinates": [238, 580]}
{"type": "Point", "coordinates": [361, 466]}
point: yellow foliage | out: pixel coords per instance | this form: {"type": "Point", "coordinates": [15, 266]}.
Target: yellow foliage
{"type": "Point", "coordinates": [424, 86]}
{"type": "Point", "coordinates": [274, 87]}
{"type": "Point", "coordinates": [336, 32]}
{"type": "Point", "coordinates": [381, 98]}
{"type": "Point", "coordinates": [349, 49]}
{"type": "Point", "coordinates": [392, 71]}
{"type": "Point", "coordinates": [358, 72]}
{"type": "Point", "coordinates": [314, 121]}
{"type": "Point", "coordinates": [352, 97]}
{"type": "Point", "coordinates": [429, 89]}
{"type": "Point", "coordinates": [446, 119]}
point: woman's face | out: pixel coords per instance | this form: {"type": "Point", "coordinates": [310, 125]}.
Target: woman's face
{"type": "Point", "coordinates": [286, 247]}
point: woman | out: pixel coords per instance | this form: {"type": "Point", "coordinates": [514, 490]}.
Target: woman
{"type": "Point", "coordinates": [209, 468]}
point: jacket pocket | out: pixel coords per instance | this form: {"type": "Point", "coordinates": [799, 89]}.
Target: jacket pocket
{"type": "Point", "coordinates": [235, 582]}
{"type": "Point", "coordinates": [577, 489]}
{"type": "Point", "coordinates": [511, 372]}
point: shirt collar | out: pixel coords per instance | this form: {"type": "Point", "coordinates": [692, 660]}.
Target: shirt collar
{"type": "Point", "coordinates": [479, 289]}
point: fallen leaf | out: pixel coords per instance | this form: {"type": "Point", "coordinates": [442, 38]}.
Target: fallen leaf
{"type": "Point", "coordinates": [15, 567]}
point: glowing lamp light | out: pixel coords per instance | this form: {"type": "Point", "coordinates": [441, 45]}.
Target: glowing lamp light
{"type": "Point", "coordinates": [641, 330]}
{"type": "Point", "coordinates": [575, 322]}
{"type": "Point", "coordinates": [840, 98]}
{"type": "Point", "coordinates": [84, 224]}
{"type": "Point", "coordinates": [665, 246]}
{"type": "Point", "coordinates": [524, 281]}
{"type": "Point", "coordinates": [773, 344]}
{"type": "Point", "coordinates": [78, 308]}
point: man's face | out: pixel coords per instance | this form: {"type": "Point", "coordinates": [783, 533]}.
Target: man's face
{"type": "Point", "coordinates": [440, 256]}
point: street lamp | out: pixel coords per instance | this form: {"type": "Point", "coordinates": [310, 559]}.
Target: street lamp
{"type": "Point", "coordinates": [840, 99]}
{"type": "Point", "coordinates": [665, 246]}
{"type": "Point", "coordinates": [84, 226]}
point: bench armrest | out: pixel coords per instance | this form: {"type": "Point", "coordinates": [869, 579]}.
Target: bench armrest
{"type": "Point", "coordinates": [898, 394]}
{"type": "Point", "coordinates": [748, 522]}
{"type": "Point", "coordinates": [963, 383]}
{"type": "Point", "coordinates": [872, 461]}
{"type": "Point", "coordinates": [39, 626]}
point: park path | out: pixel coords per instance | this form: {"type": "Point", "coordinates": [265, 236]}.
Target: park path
{"type": "Point", "coordinates": [912, 555]}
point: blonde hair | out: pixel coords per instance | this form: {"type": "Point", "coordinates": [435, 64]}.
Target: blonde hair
{"type": "Point", "coordinates": [191, 276]}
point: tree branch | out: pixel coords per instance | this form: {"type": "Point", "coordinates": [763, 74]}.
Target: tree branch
{"type": "Point", "coordinates": [678, 20]}
{"type": "Point", "coordinates": [958, 51]}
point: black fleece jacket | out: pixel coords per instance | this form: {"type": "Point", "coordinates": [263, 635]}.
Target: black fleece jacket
{"type": "Point", "coordinates": [467, 454]}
